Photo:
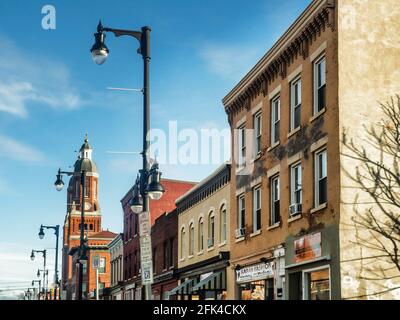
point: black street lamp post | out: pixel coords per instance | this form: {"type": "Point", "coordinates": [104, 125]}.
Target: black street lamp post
{"type": "Point", "coordinates": [143, 188]}
{"type": "Point", "coordinates": [39, 282]}
{"type": "Point", "coordinates": [59, 185]}
{"type": "Point", "coordinates": [57, 233]}
{"type": "Point", "coordinates": [44, 264]}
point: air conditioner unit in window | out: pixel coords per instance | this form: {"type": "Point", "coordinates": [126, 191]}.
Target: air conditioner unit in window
{"type": "Point", "coordinates": [240, 233]}
{"type": "Point", "coordinates": [210, 242]}
{"type": "Point", "coordinates": [295, 209]}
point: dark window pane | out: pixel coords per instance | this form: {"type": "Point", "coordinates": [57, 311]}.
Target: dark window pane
{"type": "Point", "coordinates": [297, 116]}
{"type": "Point", "coordinates": [258, 219]}
{"type": "Point", "coordinates": [322, 189]}
{"type": "Point", "coordinates": [276, 132]}
{"type": "Point", "coordinates": [321, 97]}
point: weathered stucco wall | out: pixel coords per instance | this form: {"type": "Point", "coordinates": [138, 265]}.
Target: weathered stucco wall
{"type": "Point", "coordinates": [369, 71]}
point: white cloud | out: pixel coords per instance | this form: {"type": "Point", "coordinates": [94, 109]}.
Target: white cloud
{"type": "Point", "coordinates": [13, 149]}
{"type": "Point", "coordinates": [27, 78]}
{"type": "Point", "coordinates": [229, 61]}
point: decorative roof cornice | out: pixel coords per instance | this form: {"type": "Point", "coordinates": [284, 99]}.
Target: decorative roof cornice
{"type": "Point", "coordinates": [295, 42]}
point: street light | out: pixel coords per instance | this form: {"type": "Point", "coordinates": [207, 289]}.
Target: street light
{"type": "Point", "coordinates": [59, 185]}
{"type": "Point", "coordinates": [56, 233]}
{"type": "Point", "coordinates": [143, 189]}
{"type": "Point", "coordinates": [44, 263]}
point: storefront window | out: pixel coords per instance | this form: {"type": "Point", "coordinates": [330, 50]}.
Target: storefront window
{"type": "Point", "coordinates": [318, 285]}
{"type": "Point", "coordinates": [253, 290]}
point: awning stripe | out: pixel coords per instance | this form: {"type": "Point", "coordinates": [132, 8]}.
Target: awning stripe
{"type": "Point", "coordinates": [183, 288]}
{"type": "Point", "coordinates": [215, 281]}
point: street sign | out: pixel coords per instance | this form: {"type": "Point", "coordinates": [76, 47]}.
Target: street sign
{"type": "Point", "coordinates": [96, 262]}
{"type": "Point", "coordinates": [146, 263]}
{"type": "Point", "coordinates": [144, 224]}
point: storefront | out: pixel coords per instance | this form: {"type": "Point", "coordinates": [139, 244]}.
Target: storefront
{"type": "Point", "coordinates": [256, 282]}
{"type": "Point", "coordinates": [311, 266]}
{"type": "Point", "coordinates": [163, 283]}
{"type": "Point", "coordinates": [206, 280]}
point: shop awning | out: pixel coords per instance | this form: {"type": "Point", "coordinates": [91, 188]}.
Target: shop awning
{"type": "Point", "coordinates": [215, 281]}
{"type": "Point", "coordinates": [183, 288]}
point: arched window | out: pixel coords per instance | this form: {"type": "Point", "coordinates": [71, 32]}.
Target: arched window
{"type": "Point", "coordinates": [182, 253]}
{"type": "Point", "coordinates": [223, 224]}
{"type": "Point", "coordinates": [191, 239]}
{"type": "Point", "coordinates": [211, 229]}
{"type": "Point", "coordinates": [200, 239]}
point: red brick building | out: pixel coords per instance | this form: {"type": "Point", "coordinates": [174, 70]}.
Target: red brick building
{"type": "Point", "coordinates": [132, 281]}
{"type": "Point", "coordinates": [164, 240]}
{"type": "Point", "coordinates": [96, 238]}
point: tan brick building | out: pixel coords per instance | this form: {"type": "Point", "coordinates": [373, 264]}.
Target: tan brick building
{"type": "Point", "coordinates": [289, 238]}
{"type": "Point", "coordinates": [203, 239]}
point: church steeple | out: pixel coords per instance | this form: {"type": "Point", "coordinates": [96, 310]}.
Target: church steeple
{"type": "Point", "coordinates": [86, 150]}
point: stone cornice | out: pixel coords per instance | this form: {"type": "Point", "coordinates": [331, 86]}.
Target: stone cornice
{"type": "Point", "coordinates": [318, 16]}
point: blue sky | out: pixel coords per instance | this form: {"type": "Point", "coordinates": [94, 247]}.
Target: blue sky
{"type": "Point", "coordinates": [51, 94]}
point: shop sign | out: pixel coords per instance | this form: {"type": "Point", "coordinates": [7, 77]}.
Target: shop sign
{"type": "Point", "coordinates": [255, 272]}
{"type": "Point", "coordinates": [307, 247]}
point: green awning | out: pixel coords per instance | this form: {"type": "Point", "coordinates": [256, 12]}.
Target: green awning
{"type": "Point", "coordinates": [184, 288]}
{"type": "Point", "coordinates": [215, 281]}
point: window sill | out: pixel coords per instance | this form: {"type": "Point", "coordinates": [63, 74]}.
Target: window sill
{"type": "Point", "coordinates": [273, 146]}
{"type": "Point", "coordinates": [257, 157]}
{"type": "Point", "coordinates": [315, 116]}
{"type": "Point", "coordinates": [295, 218]}
{"type": "Point", "coordinates": [222, 244]}
{"type": "Point", "coordinates": [191, 256]}
{"type": "Point", "coordinates": [181, 260]}
{"type": "Point", "coordinates": [320, 207]}
{"type": "Point", "coordinates": [255, 233]}
{"type": "Point", "coordinates": [200, 252]}
{"type": "Point", "coordinates": [293, 132]}
{"type": "Point", "coordinates": [240, 169]}
{"type": "Point", "coordinates": [275, 226]}
{"type": "Point", "coordinates": [210, 249]}
{"type": "Point", "coordinates": [239, 240]}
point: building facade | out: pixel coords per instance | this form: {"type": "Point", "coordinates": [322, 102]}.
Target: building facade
{"type": "Point", "coordinates": [95, 237]}
{"type": "Point", "coordinates": [132, 280]}
{"type": "Point", "coordinates": [164, 241]}
{"type": "Point", "coordinates": [117, 267]}
{"type": "Point", "coordinates": [203, 239]}
{"type": "Point", "coordinates": [290, 235]}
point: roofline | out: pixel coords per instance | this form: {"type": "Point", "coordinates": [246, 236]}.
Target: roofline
{"type": "Point", "coordinates": [274, 51]}
{"type": "Point", "coordinates": [204, 181]}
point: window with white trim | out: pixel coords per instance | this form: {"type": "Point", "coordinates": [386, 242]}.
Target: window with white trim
{"type": "Point", "coordinates": [200, 239]}
{"type": "Point", "coordinates": [222, 222]}
{"type": "Point", "coordinates": [257, 122]}
{"type": "Point", "coordinates": [182, 253]}
{"type": "Point", "coordinates": [191, 239]}
{"type": "Point", "coordinates": [295, 184]}
{"type": "Point", "coordinates": [275, 201]}
{"type": "Point", "coordinates": [295, 104]}
{"type": "Point", "coordinates": [241, 212]}
{"type": "Point", "coordinates": [211, 229]}
{"type": "Point", "coordinates": [321, 178]}
{"type": "Point", "coordinates": [242, 146]}
{"type": "Point", "coordinates": [257, 208]}
{"type": "Point", "coordinates": [275, 119]}
{"type": "Point", "coordinates": [319, 84]}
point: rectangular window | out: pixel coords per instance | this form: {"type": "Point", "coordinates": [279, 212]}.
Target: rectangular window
{"type": "Point", "coordinates": [320, 178]}
{"type": "Point", "coordinates": [102, 266]}
{"type": "Point", "coordinates": [201, 235]}
{"type": "Point", "coordinates": [242, 146]}
{"type": "Point", "coordinates": [223, 225]}
{"type": "Point", "coordinates": [275, 119]}
{"type": "Point", "coordinates": [87, 188]}
{"type": "Point", "coordinates": [165, 251]}
{"type": "Point", "coordinates": [241, 212]}
{"type": "Point", "coordinates": [295, 104]}
{"type": "Point", "coordinates": [211, 231]}
{"type": "Point", "coordinates": [295, 184]}
{"type": "Point", "coordinates": [319, 85]}
{"type": "Point", "coordinates": [275, 197]}
{"type": "Point", "coordinates": [257, 122]}
{"type": "Point", "coordinates": [94, 189]}
{"type": "Point", "coordinates": [256, 209]}
{"type": "Point", "coordinates": [317, 284]}
{"type": "Point", "coordinates": [171, 252]}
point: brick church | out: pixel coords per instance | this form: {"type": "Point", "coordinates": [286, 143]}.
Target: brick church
{"type": "Point", "coordinates": [96, 239]}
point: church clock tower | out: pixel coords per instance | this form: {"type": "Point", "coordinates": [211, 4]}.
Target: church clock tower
{"type": "Point", "coordinates": [72, 223]}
